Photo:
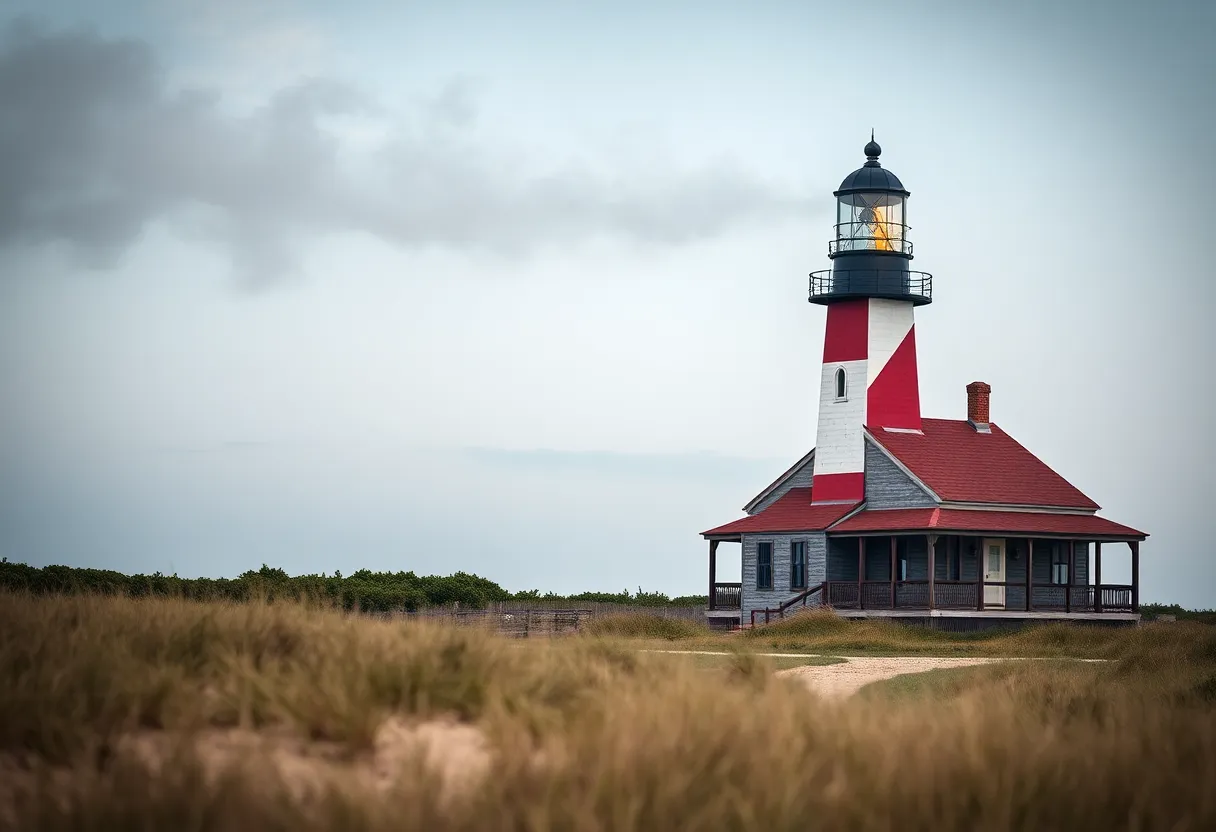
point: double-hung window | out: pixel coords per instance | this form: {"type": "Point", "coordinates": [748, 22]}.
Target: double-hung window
{"type": "Point", "coordinates": [798, 564]}
{"type": "Point", "coordinates": [764, 565]}
{"type": "Point", "coordinates": [1059, 564]}
{"type": "Point", "coordinates": [954, 560]}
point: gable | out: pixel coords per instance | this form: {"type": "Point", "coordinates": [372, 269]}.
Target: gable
{"type": "Point", "coordinates": [797, 476]}
{"type": "Point", "coordinates": [888, 486]}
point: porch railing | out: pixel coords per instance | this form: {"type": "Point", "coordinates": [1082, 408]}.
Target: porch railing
{"type": "Point", "coordinates": [960, 595]}
{"type": "Point", "coordinates": [727, 596]}
{"type": "Point", "coordinates": [965, 595]}
{"type": "Point", "coordinates": [956, 595]}
{"type": "Point", "coordinates": [1063, 598]}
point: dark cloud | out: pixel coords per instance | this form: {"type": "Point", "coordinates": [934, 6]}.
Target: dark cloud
{"type": "Point", "coordinates": [94, 145]}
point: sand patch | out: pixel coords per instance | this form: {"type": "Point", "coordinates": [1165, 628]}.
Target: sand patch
{"type": "Point", "coordinates": [844, 679]}
{"type": "Point", "coordinates": [456, 755]}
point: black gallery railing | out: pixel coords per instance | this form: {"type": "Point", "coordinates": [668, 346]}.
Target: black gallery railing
{"type": "Point", "coordinates": [877, 282]}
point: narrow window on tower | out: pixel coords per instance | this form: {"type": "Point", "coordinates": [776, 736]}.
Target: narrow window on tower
{"type": "Point", "coordinates": [841, 386]}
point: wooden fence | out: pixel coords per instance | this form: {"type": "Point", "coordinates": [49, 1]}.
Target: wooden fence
{"type": "Point", "coordinates": [525, 619]}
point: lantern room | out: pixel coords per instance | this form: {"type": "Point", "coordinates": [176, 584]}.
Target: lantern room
{"type": "Point", "coordinates": [870, 250]}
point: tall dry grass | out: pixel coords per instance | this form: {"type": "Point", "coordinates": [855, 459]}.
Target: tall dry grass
{"type": "Point", "coordinates": [822, 631]}
{"type": "Point", "coordinates": [154, 714]}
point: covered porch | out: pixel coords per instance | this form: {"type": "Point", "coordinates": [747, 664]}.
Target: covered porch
{"type": "Point", "coordinates": [725, 597]}
{"type": "Point", "coordinates": [981, 573]}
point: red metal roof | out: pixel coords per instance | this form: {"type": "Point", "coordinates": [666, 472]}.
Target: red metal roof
{"type": "Point", "coordinates": [792, 513]}
{"type": "Point", "coordinates": [967, 520]}
{"type": "Point", "coordinates": [962, 465]}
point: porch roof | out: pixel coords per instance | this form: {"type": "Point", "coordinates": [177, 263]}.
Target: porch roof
{"type": "Point", "coordinates": [967, 520]}
{"type": "Point", "coordinates": [794, 512]}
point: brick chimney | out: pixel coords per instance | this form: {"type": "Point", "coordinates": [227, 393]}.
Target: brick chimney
{"type": "Point", "coordinates": [977, 406]}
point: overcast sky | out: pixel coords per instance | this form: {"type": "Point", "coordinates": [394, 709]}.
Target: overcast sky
{"type": "Point", "coordinates": [520, 288]}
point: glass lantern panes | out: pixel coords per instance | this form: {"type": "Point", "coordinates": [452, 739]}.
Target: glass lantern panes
{"type": "Point", "coordinates": [871, 222]}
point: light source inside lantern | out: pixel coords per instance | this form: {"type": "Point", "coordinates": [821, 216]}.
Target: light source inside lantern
{"type": "Point", "coordinates": [870, 222]}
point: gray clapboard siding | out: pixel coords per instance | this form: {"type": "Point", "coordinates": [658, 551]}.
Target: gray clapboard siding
{"type": "Point", "coordinates": [889, 487]}
{"type": "Point", "coordinates": [800, 478]}
{"type": "Point", "coordinates": [816, 567]}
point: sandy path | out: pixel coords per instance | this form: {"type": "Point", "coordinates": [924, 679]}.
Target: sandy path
{"type": "Point", "coordinates": [850, 676]}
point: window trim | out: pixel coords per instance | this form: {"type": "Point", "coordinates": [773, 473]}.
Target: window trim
{"type": "Point", "coordinates": [840, 382]}
{"type": "Point", "coordinates": [760, 544]}
{"type": "Point", "coordinates": [805, 547]}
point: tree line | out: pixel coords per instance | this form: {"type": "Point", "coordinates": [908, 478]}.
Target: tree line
{"type": "Point", "coordinates": [364, 590]}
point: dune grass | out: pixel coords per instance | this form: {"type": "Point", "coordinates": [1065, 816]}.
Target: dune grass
{"type": "Point", "coordinates": [144, 714]}
{"type": "Point", "coordinates": [646, 626]}
{"type": "Point", "coordinates": [770, 664]}
{"type": "Point", "coordinates": [821, 631]}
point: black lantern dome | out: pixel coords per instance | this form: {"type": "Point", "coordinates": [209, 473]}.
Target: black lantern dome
{"type": "Point", "coordinates": [871, 249]}
{"type": "Point", "coordinates": [871, 176]}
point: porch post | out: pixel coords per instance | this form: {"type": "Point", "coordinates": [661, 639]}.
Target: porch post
{"type": "Point", "coordinates": [1135, 544]}
{"type": "Point", "coordinates": [932, 569]}
{"type": "Point", "coordinates": [1072, 562]}
{"type": "Point", "coordinates": [1029, 572]}
{"type": "Point", "coordinates": [713, 574]}
{"type": "Point", "coordinates": [861, 572]}
{"type": "Point", "coordinates": [893, 572]}
{"type": "Point", "coordinates": [1097, 576]}
{"type": "Point", "coordinates": [980, 558]}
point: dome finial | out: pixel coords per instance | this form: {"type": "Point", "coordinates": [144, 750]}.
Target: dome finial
{"type": "Point", "coordinates": [872, 151]}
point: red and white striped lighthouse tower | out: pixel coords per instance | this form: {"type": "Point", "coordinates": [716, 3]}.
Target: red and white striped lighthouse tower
{"type": "Point", "coordinates": [869, 348]}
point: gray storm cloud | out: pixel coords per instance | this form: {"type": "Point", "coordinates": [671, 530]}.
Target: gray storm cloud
{"type": "Point", "coordinates": [94, 145]}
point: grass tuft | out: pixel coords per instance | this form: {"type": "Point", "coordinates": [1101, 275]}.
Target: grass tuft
{"type": "Point", "coordinates": [642, 625]}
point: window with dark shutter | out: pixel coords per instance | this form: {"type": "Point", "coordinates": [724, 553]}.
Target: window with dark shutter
{"type": "Point", "coordinates": [764, 565]}
{"type": "Point", "coordinates": [798, 564]}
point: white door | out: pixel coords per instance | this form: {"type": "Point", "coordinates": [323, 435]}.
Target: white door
{"type": "Point", "coordinates": [994, 570]}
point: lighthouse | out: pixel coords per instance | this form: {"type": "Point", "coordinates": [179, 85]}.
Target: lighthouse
{"type": "Point", "coordinates": [892, 515]}
{"type": "Point", "coordinates": [868, 377]}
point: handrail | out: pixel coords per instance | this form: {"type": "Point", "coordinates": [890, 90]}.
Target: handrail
{"type": "Point", "coordinates": [801, 596]}
{"type": "Point", "coordinates": [785, 605]}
